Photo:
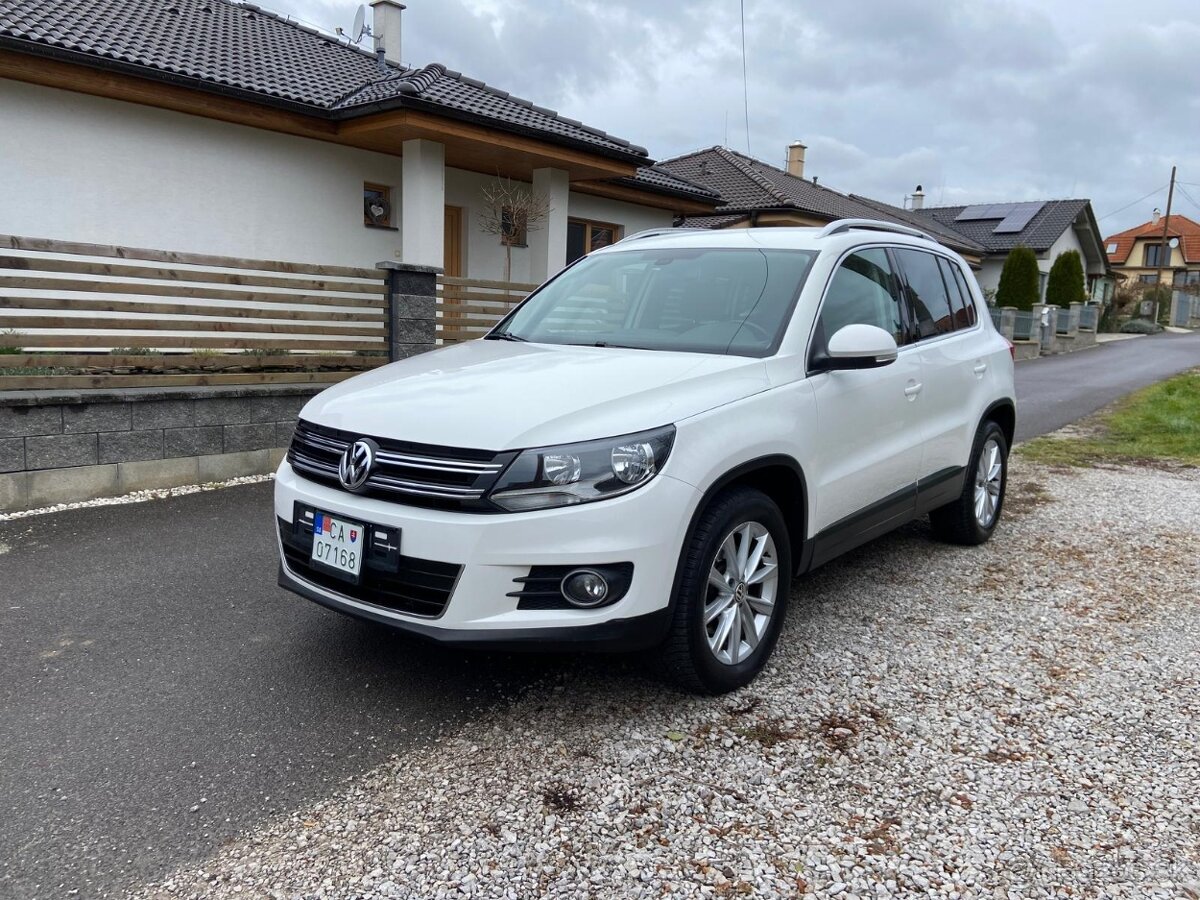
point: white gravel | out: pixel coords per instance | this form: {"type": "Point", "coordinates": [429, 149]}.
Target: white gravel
{"type": "Point", "coordinates": [1020, 720]}
{"type": "Point", "coordinates": [138, 496]}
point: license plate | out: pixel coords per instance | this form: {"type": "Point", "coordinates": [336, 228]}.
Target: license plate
{"type": "Point", "coordinates": [338, 545]}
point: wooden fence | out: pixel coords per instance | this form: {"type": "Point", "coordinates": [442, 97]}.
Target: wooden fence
{"type": "Point", "coordinates": [468, 307]}
{"type": "Point", "coordinates": [78, 315]}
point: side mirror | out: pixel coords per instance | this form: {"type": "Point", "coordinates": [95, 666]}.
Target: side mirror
{"type": "Point", "coordinates": [860, 346]}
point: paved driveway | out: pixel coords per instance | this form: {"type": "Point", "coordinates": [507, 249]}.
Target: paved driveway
{"type": "Point", "coordinates": [158, 692]}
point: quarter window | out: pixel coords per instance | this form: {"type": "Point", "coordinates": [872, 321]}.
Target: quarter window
{"type": "Point", "coordinates": [926, 292]}
{"type": "Point", "coordinates": [863, 292]}
{"type": "Point", "coordinates": [960, 297]}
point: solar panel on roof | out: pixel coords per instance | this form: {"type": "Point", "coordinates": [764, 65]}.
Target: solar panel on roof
{"type": "Point", "coordinates": [1018, 217]}
{"type": "Point", "coordinates": [982, 211]}
{"type": "Point", "coordinates": [973, 213]}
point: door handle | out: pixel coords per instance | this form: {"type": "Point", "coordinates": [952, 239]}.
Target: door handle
{"type": "Point", "coordinates": [912, 390]}
{"type": "Point", "coordinates": [980, 369]}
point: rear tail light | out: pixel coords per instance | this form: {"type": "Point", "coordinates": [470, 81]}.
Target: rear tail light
{"type": "Point", "coordinates": [1012, 349]}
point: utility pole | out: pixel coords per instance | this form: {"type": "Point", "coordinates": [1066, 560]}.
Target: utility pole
{"type": "Point", "coordinates": [1163, 249]}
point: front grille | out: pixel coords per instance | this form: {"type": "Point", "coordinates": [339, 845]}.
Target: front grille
{"type": "Point", "coordinates": [422, 474]}
{"type": "Point", "coordinates": [418, 587]}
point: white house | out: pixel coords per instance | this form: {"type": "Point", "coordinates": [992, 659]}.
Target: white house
{"type": "Point", "coordinates": [216, 127]}
{"type": "Point", "coordinates": [1048, 227]}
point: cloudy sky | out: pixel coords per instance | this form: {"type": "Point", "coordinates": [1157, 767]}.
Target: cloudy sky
{"type": "Point", "coordinates": [989, 100]}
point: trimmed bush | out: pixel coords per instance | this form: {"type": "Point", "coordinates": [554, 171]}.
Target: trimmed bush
{"type": "Point", "coordinates": [1019, 280]}
{"type": "Point", "coordinates": [1140, 326]}
{"type": "Point", "coordinates": [1065, 284]}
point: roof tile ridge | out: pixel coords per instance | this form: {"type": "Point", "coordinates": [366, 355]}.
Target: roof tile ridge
{"type": "Point", "coordinates": [737, 161]}
{"type": "Point", "coordinates": [550, 113]}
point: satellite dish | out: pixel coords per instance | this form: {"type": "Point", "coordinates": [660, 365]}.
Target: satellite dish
{"type": "Point", "coordinates": [1173, 243]}
{"type": "Point", "coordinates": [360, 23]}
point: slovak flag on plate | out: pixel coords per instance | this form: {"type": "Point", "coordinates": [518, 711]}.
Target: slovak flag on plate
{"type": "Point", "coordinates": [353, 535]}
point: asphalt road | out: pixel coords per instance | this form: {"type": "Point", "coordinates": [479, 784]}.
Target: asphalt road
{"type": "Point", "coordinates": [1055, 390]}
{"type": "Point", "coordinates": [159, 694]}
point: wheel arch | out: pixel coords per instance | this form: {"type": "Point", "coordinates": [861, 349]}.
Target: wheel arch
{"type": "Point", "coordinates": [1003, 413]}
{"type": "Point", "coordinates": [781, 478]}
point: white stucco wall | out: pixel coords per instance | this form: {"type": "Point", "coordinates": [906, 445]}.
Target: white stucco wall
{"type": "Point", "coordinates": [989, 274]}
{"type": "Point", "coordinates": [81, 168]}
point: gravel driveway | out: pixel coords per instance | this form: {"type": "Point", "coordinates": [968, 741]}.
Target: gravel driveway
{"type": "Point", "coordinates": [1015, 721]}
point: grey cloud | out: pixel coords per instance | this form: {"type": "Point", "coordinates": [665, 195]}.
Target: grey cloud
{"type": "Point", "coordinates": [992, 99]}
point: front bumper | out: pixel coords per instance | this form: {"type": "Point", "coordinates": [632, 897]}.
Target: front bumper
{"type": "Point", "coordinates": [645, 527]}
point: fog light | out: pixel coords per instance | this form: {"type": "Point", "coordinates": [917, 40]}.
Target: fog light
{"type": "Point", "coordinates": [583, 587]}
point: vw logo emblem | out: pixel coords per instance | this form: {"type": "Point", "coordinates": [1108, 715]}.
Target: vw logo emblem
{"type": "Point", "coordinates": [357, 462]}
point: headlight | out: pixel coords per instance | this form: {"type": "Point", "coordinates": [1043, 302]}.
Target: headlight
{"type": "Point", "coordinates": [580, 473]}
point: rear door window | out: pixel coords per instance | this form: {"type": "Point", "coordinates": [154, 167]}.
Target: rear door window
{"type": "Point", "coordinates": [926, 292]}
{"type": "Point", "coordinates": [968, 297]}
{"type": "Point", "coordinates": [958, 300]}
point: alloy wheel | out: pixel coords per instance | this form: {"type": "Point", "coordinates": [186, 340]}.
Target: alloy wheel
{"type": "Point", "coordinates": [740, 598]}
{"type": "Point", "coordinates": [989, 479]}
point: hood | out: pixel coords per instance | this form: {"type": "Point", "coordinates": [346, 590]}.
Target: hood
{"type": "Point", "coordinates": [502, 395]}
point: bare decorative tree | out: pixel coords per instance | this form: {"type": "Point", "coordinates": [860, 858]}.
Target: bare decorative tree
{"type": "Point", "coordinates": [511, 210]}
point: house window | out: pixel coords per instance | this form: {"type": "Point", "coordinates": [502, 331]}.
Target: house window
{"type": "Point", "coordinates": [584, 236]}
{"type": "Point", "coordinates": [1154, 254]}
{"type": "Point", "coordinates": [514, 227]}
{"type": "Point", "coordinates": [1111, 248]}
{"type": "Point", "coordinates": [1148, 279]}
{"type": "Point", "coordinates": [377, 205]}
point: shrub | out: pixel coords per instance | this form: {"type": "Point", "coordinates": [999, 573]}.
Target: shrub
{"type": "Point", "coordinates": [1019, 280]}
{"type": "Point", "coordinates": [1065, 284]}
{"type": "Point", "coordinates": [1140, 326]}
{"type": "Point", "coordinates": [8, 342]}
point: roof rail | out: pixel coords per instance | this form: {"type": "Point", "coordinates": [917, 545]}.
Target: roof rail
{"type": "Point", "coordinates": [843, 225]}
{"type": "Point", "coordinates": [648, 233]}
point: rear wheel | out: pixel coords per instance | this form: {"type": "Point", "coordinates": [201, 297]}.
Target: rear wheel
{"type": "Point", "coordinates": [731, 595]}
{"type": "Point", "coordinates": [972, 518]}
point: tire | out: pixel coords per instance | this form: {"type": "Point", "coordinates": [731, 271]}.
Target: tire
{"type": "Point", "coordinates": [961, 521]}
{"type": "Point", "coordinates": [740, 516]}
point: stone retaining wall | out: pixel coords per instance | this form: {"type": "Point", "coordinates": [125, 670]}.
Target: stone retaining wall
{"type": "Point", "coordinates": [78, 445]}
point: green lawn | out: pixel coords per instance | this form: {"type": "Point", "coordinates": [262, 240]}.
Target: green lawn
{"type": "Point", "coordinates": [1161, 422]}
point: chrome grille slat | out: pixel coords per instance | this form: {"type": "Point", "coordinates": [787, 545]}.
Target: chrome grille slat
{"type": "Point", "coordinates": [422, 474]}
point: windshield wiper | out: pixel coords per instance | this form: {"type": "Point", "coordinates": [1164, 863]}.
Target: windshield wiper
{"type": "Point", "coordinates": [505, 336]}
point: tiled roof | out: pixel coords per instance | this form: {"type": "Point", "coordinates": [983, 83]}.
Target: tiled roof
{"type": "Point", "coordinates": [1046, 227]}
{"type": "Point", "coordinates": [1178, 226]}
{"type": "Point", "coordinates": [240, 48]}
{"type": "Point", "coordinates": [656, 178]}
{"type": "Point", "coordinates": [746, 184]}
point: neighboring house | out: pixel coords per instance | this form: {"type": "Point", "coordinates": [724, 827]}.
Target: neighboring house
{"type": "Point", "coordinates": [1048, 227]}
{"type": "Point", "coordinates": [216, 127]}
{"type": "Point", "coordinates": [755, 194]}
{"type": "Point", "coordinates": [1134, 254]}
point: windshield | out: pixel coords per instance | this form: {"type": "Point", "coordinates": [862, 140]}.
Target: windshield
{"type": "Point", "coordinates": [729, 301]}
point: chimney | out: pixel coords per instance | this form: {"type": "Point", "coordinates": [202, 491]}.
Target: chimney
{"type": "Point", "coordinates": [385, 25]}
{"type": "Point", "coordinates": [918, 198]}
{"type": "Point", "coordinates": [795, 159]}
{"type": "Point", "coordinates": [1155, 217]}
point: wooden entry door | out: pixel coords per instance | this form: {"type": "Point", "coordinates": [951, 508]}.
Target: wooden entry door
{"type": "Point", "coordinates": [453, 242]}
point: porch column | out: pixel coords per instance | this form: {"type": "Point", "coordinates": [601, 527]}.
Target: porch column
{"type": "Point", "coordinates": [423, 203]}
{"type": "Point", "coordinates": [548, 245]}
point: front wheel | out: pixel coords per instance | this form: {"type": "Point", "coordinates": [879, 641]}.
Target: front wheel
{"type": "Point", "coordinates": [731, 595]}
{"type": "Point", "coordinates": [972, 518]}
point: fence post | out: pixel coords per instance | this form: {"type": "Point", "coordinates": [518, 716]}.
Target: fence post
{"type": "Point", "coordinates": [411, 320]}
{"type": "Point", "coordinates": [1008, 321]}
{"type": "Point", "coordinates": [1073, 319]}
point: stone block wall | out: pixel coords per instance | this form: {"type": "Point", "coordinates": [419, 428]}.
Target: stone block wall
{"type": "Point", "coordinates": [78, 445]}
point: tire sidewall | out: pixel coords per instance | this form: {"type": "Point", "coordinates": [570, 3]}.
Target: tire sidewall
{"type": "Point", "coordinates": [740, 506]}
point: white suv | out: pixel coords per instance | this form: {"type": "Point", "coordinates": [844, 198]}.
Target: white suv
{"type": "Point", "coordinates": [648, 449]}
